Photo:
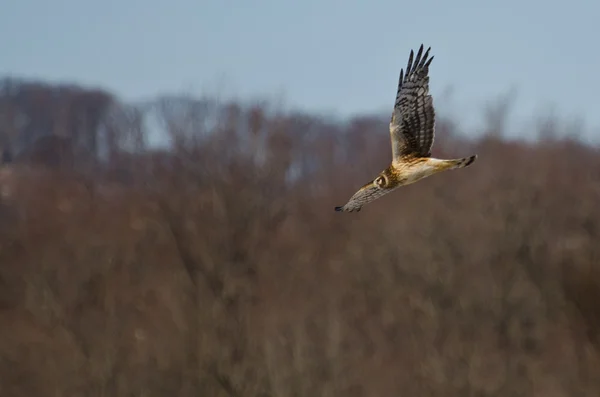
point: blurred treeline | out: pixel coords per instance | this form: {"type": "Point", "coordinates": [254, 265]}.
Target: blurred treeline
{"type": "Point", "coordinates": [216, 266]}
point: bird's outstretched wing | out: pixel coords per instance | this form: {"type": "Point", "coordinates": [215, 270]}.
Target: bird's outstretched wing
{"type": "Point", "coordinates": [364, 195]}
{"type": "Point", "coordinates": [413, 119]}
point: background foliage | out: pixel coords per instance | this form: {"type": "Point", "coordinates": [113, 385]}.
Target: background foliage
{"type": "Point", "coordinates": [217, 266]}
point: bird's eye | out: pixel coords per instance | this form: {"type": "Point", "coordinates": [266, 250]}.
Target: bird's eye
{"type": "Point", "coordinates": [380, 181]}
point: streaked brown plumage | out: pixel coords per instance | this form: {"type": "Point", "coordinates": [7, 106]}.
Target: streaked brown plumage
{"type": "Point", "coordinates": [412, 131]}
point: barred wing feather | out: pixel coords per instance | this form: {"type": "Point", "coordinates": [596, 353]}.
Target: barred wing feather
{"type": "Point", "coordinates": [413, 119]}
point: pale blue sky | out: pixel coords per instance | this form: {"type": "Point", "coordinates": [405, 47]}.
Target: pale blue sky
{"type": "Point", "coordinates": [323, 55]}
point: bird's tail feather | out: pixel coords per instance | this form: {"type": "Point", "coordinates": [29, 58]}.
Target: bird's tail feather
{"type": "Point", "coordinates": [462, 163]}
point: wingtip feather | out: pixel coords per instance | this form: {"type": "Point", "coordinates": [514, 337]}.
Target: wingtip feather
{"type": "Point", "coordinates": [422, 61]}
{"type": "Point", "coordinates": [419, 55]}
{"type": "Point", "coordinates": [410, 61]}
{"type": "Point", "coordinates": [429, 62]}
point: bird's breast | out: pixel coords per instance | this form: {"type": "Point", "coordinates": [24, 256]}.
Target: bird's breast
{"type": "Point", "coordinates": [412, 172]}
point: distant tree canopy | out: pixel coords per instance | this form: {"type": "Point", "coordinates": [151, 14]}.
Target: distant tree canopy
{"type": "Point", "coordinates": [60, 125]}
{"type": "Point", "coordinates": [30, 112]}
{"type": "Point", "coordinates": [215, 264]}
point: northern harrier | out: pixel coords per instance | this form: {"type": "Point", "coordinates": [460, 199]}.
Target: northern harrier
{"type": "Point", "coordinates": [412, 133]}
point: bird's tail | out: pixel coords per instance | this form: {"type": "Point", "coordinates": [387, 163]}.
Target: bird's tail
{"type": "Point", "coordinates": [461, 163]}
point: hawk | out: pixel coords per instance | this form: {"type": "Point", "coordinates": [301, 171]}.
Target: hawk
{"type": "Point", "coordinates": [412, 132]}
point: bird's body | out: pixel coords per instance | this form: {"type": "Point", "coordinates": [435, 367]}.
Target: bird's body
{"type": "Point", "coordinates": [412, 133]}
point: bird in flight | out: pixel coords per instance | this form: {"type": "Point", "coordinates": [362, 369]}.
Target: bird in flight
{"type": "Point", "coordinates": [412, 132]}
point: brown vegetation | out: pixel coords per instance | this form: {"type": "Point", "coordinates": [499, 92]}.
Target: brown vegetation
{"type": "Point", "coordinates": [219, 268]}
